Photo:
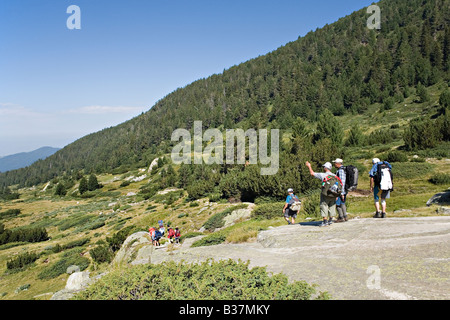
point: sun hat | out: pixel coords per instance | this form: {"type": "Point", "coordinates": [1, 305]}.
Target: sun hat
{"type": "Point", "coordinates": [327, 165]}
{"type": "Point", "coordinates": [290, 190]}
{"type": "Point", "coordinates": [338, 160]}
{"type": "Point", "coordinates": [375, 160]}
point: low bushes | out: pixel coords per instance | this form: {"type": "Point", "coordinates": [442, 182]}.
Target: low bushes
{"type": "Point", "coordinates": [22, 261]}
{"type": "Point", "coordinates": [30, 234]}
{"type": "Point", "coordinates": [268, 211]}
{"type": "Point", "coordinates": [216, 221]}
{"type": "Point", "coordinates": [71, 257]}
{"type": "Point", "coordinates": [440, 178]}
{"type": "Point", "coordinates": [210, 240]}
{"type": "Point", "coordinates": [222, 280]}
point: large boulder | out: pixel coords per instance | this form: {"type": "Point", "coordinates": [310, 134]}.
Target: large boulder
{"type": "Point", "coordinates": [76, 282]}
{"type": "Point", "coordinates": [137, 249]}
{"type": "Point", "coordinates": [440, 198]}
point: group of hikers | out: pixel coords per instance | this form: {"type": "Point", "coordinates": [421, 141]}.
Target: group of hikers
{"type": "Point", "coordinates": [335, 188]}
{"type": "Point", "coordinates": [157, 233]}
{"type": "Point", "coordinates": [333, 196]}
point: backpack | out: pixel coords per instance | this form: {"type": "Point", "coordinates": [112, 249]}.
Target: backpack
{"type": "Point", "coordinates": [351, 181]}
{"type": "Point", "coordinates": [332, 186]}
{"type": "Point", "coordinates": [295, 204]}
{"type": "Point", "coordinates": [383, 178]}
{"type": "Point", "coordinates": [177, 233]}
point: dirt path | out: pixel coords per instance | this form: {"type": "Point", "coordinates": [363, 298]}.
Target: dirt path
{"type": "Point", "coordinates": [394, 258]}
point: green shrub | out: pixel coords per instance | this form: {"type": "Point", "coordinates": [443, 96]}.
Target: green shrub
{"type": "Point", "coordinates": [222, 280]}
{"type": "Point", "coordinates": [76, 243]}
{"type": "Point", "coordinates": [216, 221]}
{"type": "Point", "coordinates": [396, 156]}
{"type": "Point", "coordinates": [22, 261]}
{"type": "Point", "coordinates": [210, 240]}
{"type": "Point", "coordinates": [125, 184]}
{"type": "Point", "coordinates": [102, 254]}
{"type": "Point", "coordinates": [268, 211]}
{"type": "Point", "coordinates": [382, 136]}
{"type": "Point", "coordinates": [9, 213]}
{"type": "Point", "coordinates": [115, 242]}
{"type": "Point", "coordinates": [22, 234]}
{"type": "Point", "coordinates": [199, 189]}
{"type": "Point", "coordinates": [410, 169]}
{"type": "Point", "coordinates": [310, 204]}
{"type": "Point", "coordinates": [60, 267]}
{"type": "Point", "coordinates": [440, 178]}
{"type": "Point", "coordinates": [80, 219]}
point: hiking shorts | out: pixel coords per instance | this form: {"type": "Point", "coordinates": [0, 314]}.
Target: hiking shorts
{"type": "Point", "coordinates": [384, 194]}
{"type": "Point", "coordinates": [327, 206]}
{"type": "Point", "coordinates": [289, 213]}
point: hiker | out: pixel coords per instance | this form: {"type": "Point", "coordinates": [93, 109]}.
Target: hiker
{"type": "Point", "coordinates": [380, 179]}
{"type": "Point", "coordinates": [327, 199]}
{"type": "Point", "coordinates": [177, 235]}
{"type": "Point", "coordinates": [158, 236]}
{"type": "Point", "coordinates": [152, 232]}
{"type": "Point", "coordinates": [340, 202]}
{"type": "Point", "coordinates": [170, 234]}
{"type": "Point", "coordinates": [161, 227]}
{"type": "Point", "coordinates": [291, 207]}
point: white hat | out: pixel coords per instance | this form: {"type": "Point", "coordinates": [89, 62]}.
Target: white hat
{"type": "Point", "coordinates": [338, 160]}
{"type": "Point", "coordinates": [327, 165]}
{"type": "Point", "coordinates": [290, 190]}
{"type": "Point", "coordinates": [375, 160]}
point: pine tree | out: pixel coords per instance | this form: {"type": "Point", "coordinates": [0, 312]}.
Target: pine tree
{"type": "Point", "coordinates": [60, 190]}
{"type": "Point", "coordinates": [355, 137]}
{"type": "Point", "coordinates": [422, 93]}
{"type": "Point", "coordinates": [83, 187]}
{"type": "Point", "coordinates": [93, 183]}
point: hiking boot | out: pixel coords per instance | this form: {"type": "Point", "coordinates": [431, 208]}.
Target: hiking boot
{"type": "Point", "coordinates": [340, 220]}
{"type": "Point", "coordinates": [383, 215]}
{"type": "Point", "coordinates": [377, 215]}
{"type": "Point", "coordinates": [324, 223]}
{"type": "Point", "coordinates": [345, 218]}
{"type": "Point", "coordinates": [330, 221]}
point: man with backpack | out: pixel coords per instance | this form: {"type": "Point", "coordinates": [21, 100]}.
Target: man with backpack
{"type": "Point", "coordinates": [340, 202]}
{"type": "Point", "coordinates": [381, 179]}
{"type": "Point", "coordinates": [177, 235]}
{"type": "Point", "coordinates": [331, 189]}
{"type": "Point", "coordinates": [170, 234]}
{"type": "Point", "coordinates": [291, 207]}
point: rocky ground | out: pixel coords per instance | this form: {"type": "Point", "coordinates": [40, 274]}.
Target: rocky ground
{"type": "Point", "coordinates": [393, 258]}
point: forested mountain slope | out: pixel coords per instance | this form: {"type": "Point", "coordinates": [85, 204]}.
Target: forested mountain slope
{"type": "Point", "coordinates": [343, 67]}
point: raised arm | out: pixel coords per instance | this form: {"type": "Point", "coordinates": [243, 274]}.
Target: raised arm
{"type": "Point", "coordinates": [311, 171]}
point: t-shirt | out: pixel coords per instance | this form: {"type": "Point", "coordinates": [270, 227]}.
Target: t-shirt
{"type": "Point", "coordinates": [289, 198]}
{"type": "Point", "coordinates": [323, 175]}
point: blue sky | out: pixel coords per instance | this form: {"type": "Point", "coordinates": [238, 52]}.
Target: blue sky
{"type": "Point", "coordinates": [57, 85]}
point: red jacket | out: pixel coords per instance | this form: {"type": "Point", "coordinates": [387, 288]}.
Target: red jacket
{"type": "Point", "coordinates": [171, 233]}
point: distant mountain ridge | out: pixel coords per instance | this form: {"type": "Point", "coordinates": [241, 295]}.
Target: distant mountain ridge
{"type": "Point", "coordinates": [24, 159]}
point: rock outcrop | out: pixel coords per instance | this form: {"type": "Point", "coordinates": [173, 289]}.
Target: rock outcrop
{"type": "Point", "coordinates": [136, 249]}
{"type": "Point", "coordinates": [409, 254]}
{"type": "Point", "coordinates": [440, 198]}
